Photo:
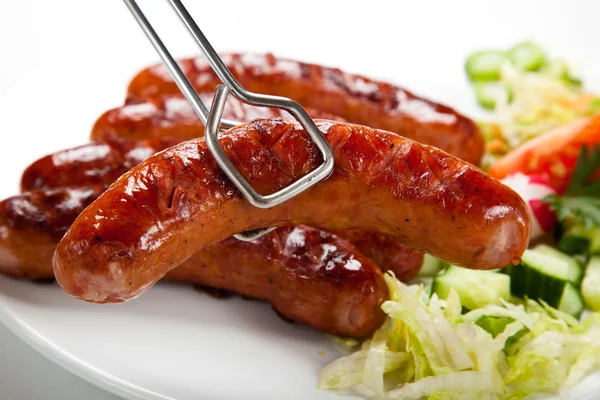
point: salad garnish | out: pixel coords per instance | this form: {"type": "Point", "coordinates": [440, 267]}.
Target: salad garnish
{"type": "Point", "coordinates": [581, 199]}
{"type": "Point", "coordinates": [529, 92]}
{"type": "Point", "coordinates": [523, 330]}
{"type": "Point", "coordinates": [433, 348]}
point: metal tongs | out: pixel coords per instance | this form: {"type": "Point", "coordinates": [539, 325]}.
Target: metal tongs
{"type": "Point", "coordinates": [214, 123]}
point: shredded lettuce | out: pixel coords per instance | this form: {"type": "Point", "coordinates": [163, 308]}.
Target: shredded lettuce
{"type": "Point", "coordinates": [429, 349]}
{"type": "Point", "coordinates": [540, 102]}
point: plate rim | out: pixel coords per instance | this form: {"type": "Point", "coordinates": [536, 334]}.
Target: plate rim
{"type": "Point", "coordinates": [72, 364]}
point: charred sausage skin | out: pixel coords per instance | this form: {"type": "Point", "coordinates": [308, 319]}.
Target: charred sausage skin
{"type": "Point", "coordinates": [178, 201]}
{"type": "Point", "coordinates": [173, 117]}
{"type": "Point", "coordinates": [102, 163]}
{"type": "Point", "coordinates": [354, 98]}
{"type": "Point", "coordinates": [387, 252]}
{"type": "Point", "coordinates": [32, 223]}
{"type": "Point", "coordinates": [91, 164]}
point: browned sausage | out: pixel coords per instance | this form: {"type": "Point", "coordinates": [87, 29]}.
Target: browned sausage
{"type": "Point", "coordinates": [355, 98]}
{"type": "Point", "coordinates": [91, 164]}
{"type": "Point", "coordinates": [32, 223]}
{"type": "Point", "coordinates": [178, 201]}
{"type": "Point", "coordinates": [386, 251]}
{"type": "Point", "coordinates": [102, 163]}
{"type": "Point", "coordinates": [308, 275]}
{"type": "Point", "coordinates": [172, 117]}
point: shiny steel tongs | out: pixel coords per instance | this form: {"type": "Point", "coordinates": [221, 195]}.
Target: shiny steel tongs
{"type": "Point", "coordinates": [214, 123]}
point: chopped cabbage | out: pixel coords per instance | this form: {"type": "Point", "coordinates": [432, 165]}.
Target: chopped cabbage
{"type": "Point", "coordinates": [539, 102]}
{"type": "Point", "coordinates": [428, 349]}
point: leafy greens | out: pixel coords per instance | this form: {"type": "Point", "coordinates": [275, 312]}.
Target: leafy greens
{"type": "Point", "coordinates": [581, 200]}
{"type": "Point", "coordinates": [429, 349]}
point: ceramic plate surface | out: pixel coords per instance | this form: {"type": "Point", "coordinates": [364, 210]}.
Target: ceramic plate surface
{"type": "Point", "coordinates": [174, 342]}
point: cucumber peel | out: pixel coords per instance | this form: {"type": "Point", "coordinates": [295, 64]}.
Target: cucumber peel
{"type": "Point", "coordinates": [527, 56]}
{"type": "Point", "coordinates": [475, 289]}
{"type": "Point", "coordinates": [489, 94]}
{"type": "Point", "coordinates": [485, 65]}
{"type": "Point", "coordinates": [590, 286]}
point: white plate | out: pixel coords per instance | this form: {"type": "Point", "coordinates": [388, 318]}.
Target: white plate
{"type": "Point", "coordinates": [174, 342]}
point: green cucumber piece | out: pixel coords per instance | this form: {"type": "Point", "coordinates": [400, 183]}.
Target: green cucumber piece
{"type": "Point", "coordinates": [571, 301]}
{"type": "Point", "coordinates": [559, 69]}
{"type": "Point", "coordinates": [563, 263]}
{"type": "Point", "coordinates": [590, 286]}
{"type": "Point", "coordinates": [489, 94]}
{"type": "Point", "coordinates": [485, 65]}
{"type": "Point", "coordinates": [575, 240]}
{"type": "Point", "coordinates": [594, 236]}
{"type": "Point", "coordinates": [528, 282]}
{"type": "Point", "coordinates": [475, 288]}
{"type": "Point", "coordinates": [431, 266]}
{"type": "Point", "coordinates": [544, 273]}
{"type": "Point", "coordinates": [527, 56]}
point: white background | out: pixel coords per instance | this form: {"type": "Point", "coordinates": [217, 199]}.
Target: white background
{"type": "Point", "coordinates": [420, 45]}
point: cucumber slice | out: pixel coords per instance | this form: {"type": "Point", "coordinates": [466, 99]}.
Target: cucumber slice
{"type": "Point", "coordinates": [571, 302]}
{"type": "Point", "coordinates": [489, 94]}
{"type": "Point", "coordinates": [431, 266]}
{"type": "Point", "coordinates": [594, 236]}
{"type": "Point", "coordinates": [590, 286]}
{"type": "Point", "coordinates": [576, 240]}
{"type": "Point", "coordinates": [559, 69]}
{"type": "Point", "coordinates": [563, 263]}
{"type": "Point", "coordinates": [527, 56]}
{"type": "Point", "coordinates": [543, 274]}
{"type": "Point", "coordinates": [529, 282]}
{"type": "Point", "coordinates": [485, 65]}
{"type": "Point", "coordinates": [475, 288]}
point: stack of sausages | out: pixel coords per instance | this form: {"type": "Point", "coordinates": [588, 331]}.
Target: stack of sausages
{"type": "Point", "coordinates": [146, 201]}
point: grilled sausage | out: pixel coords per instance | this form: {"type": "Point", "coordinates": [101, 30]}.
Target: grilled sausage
{"type": "Point", "coordinates": [102, 163]}
{"type": "Point", "coordinates": [355, 98]}
{"type": "Point", "coordinates": [32, 223]}
{"type": "Point", "coordinates": [91, 164]}
{"type": "Point", "coordinates": [178, 201]}
{"type": "Point", "coordinates": [386, 251]}
{"type": "Point", "coordinates": [173, 117]}
{"type": "Point", "coordinates": [308, 275]}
